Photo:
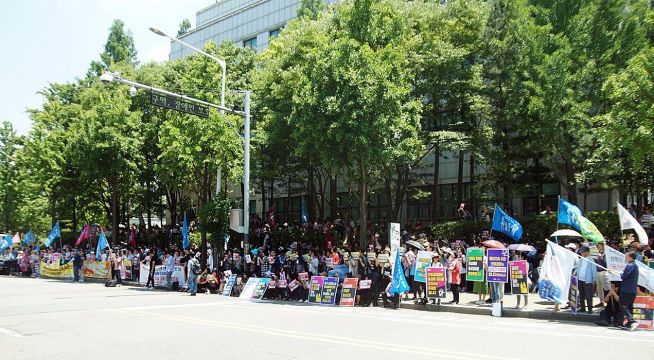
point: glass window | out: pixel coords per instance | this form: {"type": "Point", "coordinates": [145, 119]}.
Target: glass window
{"type": "Point", "coordinates": [250, 43]}
{"type": "Point", "coordinates": [274, 33]}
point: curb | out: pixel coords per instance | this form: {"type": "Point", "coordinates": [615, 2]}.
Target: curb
{"type": "Point", "coordinates": [506, 312]}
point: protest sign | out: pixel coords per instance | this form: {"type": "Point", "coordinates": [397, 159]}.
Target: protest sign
{"type": "Point", "coordinates": [282, 284]}
{"type": "Point", "coordinates": [372, 257]}
{"type": "Point", "coordinates": [497, 263]}
{"type": "Point", "coordinates": [394, 236]}
{"type": "Point", "coordinates": [349, 292]}
{"type": "Point", "coordinates": [249, 288]}
{"type": "Point", "coordinates": [436, 282]}
{"type": "Point", "coordinates": [614, 261]}
{"type": "Point", "coordinates": [328, 293]}
{"type": "Point", "coordinates": [272, 284]}
{"type": "Point", "coordinates": [329, 262]}
{"type": "Point", "coordinates": [519, 277]}
{"type": "Point", "coordinates": [383, 259]}
{"type": "Point", "coordinates": [56, 271]}
{"type": "Point", "coordinates": [644, 311]}
{"type": "Point", "coordinates": [475, 264]}
{"type": "Point", "coordinates": [365, 284]}
{"type": "Point", "coordinates": [227, 291]}
{"type": "Point", "coordinates": [423, 259]}
{"type": "Point", "coordinates": [260, 289]}
{"type": "Point", "coordinates": [159, 274]}
{"type": "Point", "coordinates": [315, 289]}
{"type": "Point", "coordinates": [573, 295]}
{"type": "Point", "coordinates": [303, 276]}
{"type": "Point", "coordinates": [293, 285]}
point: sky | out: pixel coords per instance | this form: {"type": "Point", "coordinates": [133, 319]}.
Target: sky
{"type": "Point", "coordinates": [54, 41]}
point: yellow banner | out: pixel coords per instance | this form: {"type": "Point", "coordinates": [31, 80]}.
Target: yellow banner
{"type": "Point", "coordinates": [57, 271]}
{"type": "Point", "coordinates": [91, 269]}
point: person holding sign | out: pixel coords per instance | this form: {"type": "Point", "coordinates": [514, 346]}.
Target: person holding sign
{"type": "Point", "coordinates": [454, 268]}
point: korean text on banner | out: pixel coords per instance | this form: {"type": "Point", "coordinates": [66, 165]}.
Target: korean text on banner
{"type": "Point", "coordinates": [329, 289]}
{"type": "Point", "coordinates": [436, 282]}
{"type": "Point", "coordinates": [644, 311]}
{"type": "Point", "coordinates": [249, 288]}
{"type": "Point", "coordinates": [423, 259]}
{"type": "Point", "coordinates": [519, 277]}
{"type": "Point", "coordinates": [497, 262]}
{"type": "Point", "coordinates": [349, 292]}
{"type": "Point", "coordinates": [614, 261]}
{"type": "Point", "coordinates": [555, 274]}
{"type": "Point", "coordinates": [315, 289]}
{"type": "Point", "coordinates": [475, 264]}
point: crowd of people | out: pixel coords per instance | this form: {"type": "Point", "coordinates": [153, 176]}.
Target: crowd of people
{"type": "Point", "coordinates": [332, 249]}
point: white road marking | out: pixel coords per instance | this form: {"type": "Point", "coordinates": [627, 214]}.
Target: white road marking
{"type": "Point", "coordinates": [9, 332]}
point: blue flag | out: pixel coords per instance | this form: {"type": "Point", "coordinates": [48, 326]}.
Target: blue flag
{"type": "Point", "coordinates": [399, 284]}
{"type": "Point", "coordinates": [55, 233]}
{"type": "Point", "coordinates": [102, 244]}
{"type": "Point", "coordinates": [304, 218]}
{"type": "Point", "coordinates": [569, 214]}
{"type": "Point", "coordinates": [29, 238]}
{"type": "Point", "coordinates": [506, 224]}
{"type": "Point", "coordinates": [38, 247]}
{"type": "Point", "coordinates": [6, 242]}
{"type": "Point", "coordinates": [185, 242]}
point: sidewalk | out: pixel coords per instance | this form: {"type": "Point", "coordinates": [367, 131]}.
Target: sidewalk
{"type": "Point", "coordinates": [537, 308]}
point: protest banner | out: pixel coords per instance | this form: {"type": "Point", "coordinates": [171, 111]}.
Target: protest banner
{"type": "Point", "coordinates": [644, 311]}
{"type": "Point", "coordinates": [423, 259]}
{"type": "Point", "coordinates": [282, 284]}
{"type": "Point", "coordinates": [349, 292]}
{"type": "Point", "coordinates": [497, 263]}
{"type": "Point", "coordinates": [329, 289]}
{"type": "Point", "coordinates": [160, 275]}
{"type": "Point", "coordinates": [436, 282]}
{"type": "Point", "coordinates": [229, 286]}
{"type": "Point", "coordinates": [57, 271]}
{"type": "Point", "coordinates": [293, 285]}
{"type": "Point", "coordinates": [519, 277]}
{"type": "Point", "coordinates": [260, 289]}
{"type": "Point", "coordinates": [315, 289]}
{"type": "Point", "coordinates": [573, 295]}
{"type": "Point", "coordinates": [96, 269]}
{"type": "Point", "coordinates": [383, 259]}
{"type": "Point", "coordinates": [475, 264]}
{"type": "Point", "coordinates": [614, 261]}
{"type": "Point", "coordinates": [303, 276]}
{"type": "Point", "coordinates": [365, 284]}
{"type": "Point", "coordinates": [55, 261]}
{"type": "Point", "coordinates": [249, 288]}
{"type": "Point", "coordinates": [394, 236]}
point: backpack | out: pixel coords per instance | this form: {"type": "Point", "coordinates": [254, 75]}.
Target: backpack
{"type": "Point", "coordinates": [195, 268]}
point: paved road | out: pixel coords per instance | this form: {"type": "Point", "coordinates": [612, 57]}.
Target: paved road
{"type": "Point", "coordinates": [51, 319]}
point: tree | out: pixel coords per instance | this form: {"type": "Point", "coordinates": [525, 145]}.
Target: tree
{"type": "Point", "coordinates": [310, 9]}
{"type": "Point", "coordinates": [119, 48]}
{"type": "Point", "coordinates": [9, 195]}
{"type": "Point", "coordinates": [184, 27]}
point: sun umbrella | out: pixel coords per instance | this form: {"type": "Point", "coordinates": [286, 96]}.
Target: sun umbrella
{"type": "Point", "coordinates": [447, 250]}
{"type": "Point", "coordinates": [493, 244]}
{"type": "Point", "coordinates": [566, 233]}
{"type": "Point", "coordinates": [522, 247]}
{"type": "Point", "coordinates": [415, 244]}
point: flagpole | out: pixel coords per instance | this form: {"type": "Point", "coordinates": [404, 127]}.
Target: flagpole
{"type": "Point", "coordinates": [490, 234]}
{"type": "Point", "coordinates": [622, 239]}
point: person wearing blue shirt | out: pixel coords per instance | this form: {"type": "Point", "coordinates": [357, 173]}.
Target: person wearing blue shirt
{"type": "Point", "coordinates": [629, 289]}
{"type": "Point", "coordinates": [586, 275]}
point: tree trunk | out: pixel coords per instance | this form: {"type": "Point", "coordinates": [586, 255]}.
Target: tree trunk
{"type": "Point", "coordinates": [436, 190]}
{"type": "Point", "coordinates": [459, 183]}
{"type": "Point", "coordinates": [311, 190]}
{"type": "Point", "coordinates": [203, 228]}
{"type": "Point", "coordinates": [473, 200]}
{"type": "Point", "coordinates": [363, 205]}
{"type": "Point", "coordinates": [333, 195]}
{"type": "Point", "coordinates": [114, 209]}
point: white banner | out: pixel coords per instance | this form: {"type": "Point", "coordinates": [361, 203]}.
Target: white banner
{"type": "Point", "coordinates": [614, 261]}
{"type": "Point", "coordinates": [645, 276]}
{"type": "Point", "coordinates": [555, 274]}
{"type": "Point", "coordinates": [160, 275]}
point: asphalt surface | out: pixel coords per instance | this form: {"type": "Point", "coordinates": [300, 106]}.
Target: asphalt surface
{"type": "Point", "coordinates": [53, 319]}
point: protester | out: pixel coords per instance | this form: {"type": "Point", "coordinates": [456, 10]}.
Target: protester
{"type": "Point", "coordinates": [587, 276]}
{"type": "Point", "coordinates": [193, 272]}
{"type": "Point", "coordinates": [628, 290]}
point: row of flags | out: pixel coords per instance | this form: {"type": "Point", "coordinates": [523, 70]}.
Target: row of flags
{"type": "Point", "coordinates": [569, 214]}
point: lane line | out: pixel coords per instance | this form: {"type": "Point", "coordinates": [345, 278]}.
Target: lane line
{"type": "Point", "coordinates": [319, 337]}
{"type": "Point", "coordinates": [9, 332]}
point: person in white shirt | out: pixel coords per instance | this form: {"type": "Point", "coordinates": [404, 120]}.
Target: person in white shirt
{"type": "Point", "coordinates": [170, 267]}
{"type": "Point", "coordinates": [313, 266]}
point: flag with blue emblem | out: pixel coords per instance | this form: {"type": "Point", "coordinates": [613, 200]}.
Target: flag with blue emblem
{"type": "Point", "coordinates": [556, 273]}
{"type": "Point", "coordinates": [399, 284]}
{"type": "Point", "coordinates": [305, 214]}
{"type": "Point", "coordinates": [102, 244]}
{"type": "Point", "coordinates": [569, 214]}
{"type": "Point", "coordinates": [185, 242]}
{"type": "Point", "coordinates": [505, 224]}
{"type": "Point", "coordinates": [5, 243]}
{"type": "Point", "coordinates": [29, 238]}
{"type": "Point", "coordinates": [54, 234]}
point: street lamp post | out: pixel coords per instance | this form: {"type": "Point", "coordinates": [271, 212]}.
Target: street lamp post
{"type": "Point", "coordinates": [222, 64]}
{"type": "Point", "coordinates": [246, 137]}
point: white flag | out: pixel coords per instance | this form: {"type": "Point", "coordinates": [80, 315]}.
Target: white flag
{"type": "Point", "coordinates": [555, 273]}
{"type": "Point", "coordinates": [629, 222]}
